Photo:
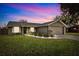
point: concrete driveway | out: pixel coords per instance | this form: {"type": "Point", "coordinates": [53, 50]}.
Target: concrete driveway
{"type": "Point", "coordinates": [73, 37]}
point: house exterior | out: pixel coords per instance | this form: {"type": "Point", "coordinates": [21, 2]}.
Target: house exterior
{"type": "Point", "coordinates": [56, 27]}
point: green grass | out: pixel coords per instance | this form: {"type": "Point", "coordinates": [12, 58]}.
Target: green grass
{"type": "Point", "coordinates": [22, 45]}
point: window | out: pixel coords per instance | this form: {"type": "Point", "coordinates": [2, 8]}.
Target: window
{"type": "Point", "coordinates": [32, 29]}
{"type": "Point", "coordinates": [16, 30]}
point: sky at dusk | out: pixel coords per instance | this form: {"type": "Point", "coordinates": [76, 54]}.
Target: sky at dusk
{"type": "Point", "coordinates": [32, 12]}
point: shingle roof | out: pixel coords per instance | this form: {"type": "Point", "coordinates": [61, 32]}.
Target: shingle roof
{"type": "Point", "coordinates": [26, 24]}
{"type": "Point", "coordinates": [51, 22]}
{"type": "Point", "coordinates": [22, 24]}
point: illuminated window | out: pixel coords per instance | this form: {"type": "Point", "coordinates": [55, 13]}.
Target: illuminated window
{"type": "Point", "coordinates": [16, 30]}
{"type": "Point", "coordinates": [32, 29]}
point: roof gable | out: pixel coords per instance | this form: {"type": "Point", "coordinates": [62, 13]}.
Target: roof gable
{"type": "Point", "coordinates": [53, 22]}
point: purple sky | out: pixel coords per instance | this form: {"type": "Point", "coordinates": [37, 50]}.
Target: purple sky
{"type": "Point", "coordinates": [32, 12]}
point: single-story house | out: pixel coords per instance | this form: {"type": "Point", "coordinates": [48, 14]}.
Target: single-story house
{"type": "Point", "coordinates": [56, 27]}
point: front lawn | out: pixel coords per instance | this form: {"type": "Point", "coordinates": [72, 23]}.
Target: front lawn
{"type": "Point", "coordinates": [23, 45]}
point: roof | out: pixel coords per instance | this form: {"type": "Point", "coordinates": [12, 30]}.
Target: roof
{"type": "Point", "coordinates": [52, 22]}
{"type": "Point", "coordinates": [22, 24]}
{"type": "Point", "coordinates": [26, 24]}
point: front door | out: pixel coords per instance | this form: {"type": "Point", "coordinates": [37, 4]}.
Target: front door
{"type": "Point", "coordinates": [25, 30]}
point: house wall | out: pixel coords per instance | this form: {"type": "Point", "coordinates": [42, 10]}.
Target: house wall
{"type": "Point", "coordinates": [9, 30]}
{"type": "Point", "coordinates": [12, 30]}
{"type": "Point", "coordinates": [56, 28]}
{"type": "Point", "coordinates": [20, 30]}
{"type": "Point", "coordinates": [52, 29]}
{"type": "Point", "coordinates": [42, 30]}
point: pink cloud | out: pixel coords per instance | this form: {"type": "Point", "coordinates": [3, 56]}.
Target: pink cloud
{"type": "Point", "coordinates": [32, 19]}
{"type": "Point", "coordinates": [39, 21]}
{"type": "Point", "coordinates": [42, 20]}
{"type": "Point", "coordinates": [47, 13]}
{"type": "Point", "coordinates": [18, 18]}
{"type": "Point", "coordinates": [39, 9]}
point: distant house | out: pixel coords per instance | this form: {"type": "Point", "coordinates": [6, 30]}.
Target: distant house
{"type": "Point", "coordinates": [53, 28]}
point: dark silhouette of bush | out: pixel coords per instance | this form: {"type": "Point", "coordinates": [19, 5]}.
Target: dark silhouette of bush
{"type": "Point", "coordinates": [3, 30]}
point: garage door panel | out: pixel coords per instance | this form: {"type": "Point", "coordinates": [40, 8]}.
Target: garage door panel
{"type": "Point", "coordinates": [57, 30]}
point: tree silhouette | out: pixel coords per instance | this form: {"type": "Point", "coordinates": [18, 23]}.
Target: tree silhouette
{"type": "Point", "coordinates": [22, 20]}
{"type": "Point", "coordinates": [73, 11]}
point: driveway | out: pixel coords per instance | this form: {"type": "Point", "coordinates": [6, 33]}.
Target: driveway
{"type": "Point", "coordinates": [73, 37]}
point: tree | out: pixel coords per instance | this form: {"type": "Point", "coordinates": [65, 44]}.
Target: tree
{"type": "Point", "coordinates": [71, 7]}
{"type": "Point", "coordinates": [73, 12]}
{"type": "Point", "coordinates": [67, 19]}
